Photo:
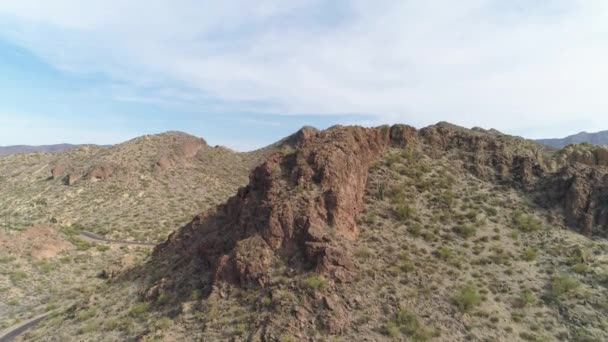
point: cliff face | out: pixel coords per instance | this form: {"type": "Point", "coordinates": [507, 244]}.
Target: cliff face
{"type": "Point", "coordinates": [299, 204]}
{"type": "Point", "coordinates": [301, 207]}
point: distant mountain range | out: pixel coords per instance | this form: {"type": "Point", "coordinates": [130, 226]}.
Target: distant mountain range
{"type": "Point", "coordinates": [599, 138]}
{"type": "Point", "coordinates": [6, 150]}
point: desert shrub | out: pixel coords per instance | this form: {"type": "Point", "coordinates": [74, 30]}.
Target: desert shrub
{"type": "Point", "coordinates": [7, 259]}
{"type": "Point", "coordinates": [526, 223]}
{"type": "Point", "coordinates": [17, 276]}
{"type": "Point", "coordinates": [196, 295]}
{"type": "Point", "coordinates": [466, 298]}
{"type": "Point", "coordinates": [415, 229]}
{"type": "Point", "coordinates": [87, 314]}
{"type": "Point", "coordinates": [102, 248]}
{"type": "Point", "coordinates": [363, 253]}
{"type": "Point", "coordinates": [315, 282]}
{"type": "Point", "coordinates": [446, 199]}
{"type": "Point", "coordinates": [529, 254]}
{"type": "Point", "coordinates": [140, 309]}
{"type": "Point", "coordinates": [163, 323]}
{"type": "Point", "coordinates": [526, 298]}
{"type": "Point", "coordinates": [562, 285]}
{"type": "Point", "coordinates": [407, 323]}
{"type": "Point", "coordinates": [287, 338]}
{"type": "Point", "coordinates": [465, 230]}
{"type": "Point", "coordinates": [404, 212]}
{"type": "Point", "coordinates": [405, 264]}
{"type": "Point", "coordinates": [580, 268]}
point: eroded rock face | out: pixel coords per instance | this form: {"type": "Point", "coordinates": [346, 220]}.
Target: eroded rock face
{"type": "Point", "coordinates": [58, 171]}
{"type": "Point", "coordinates": [300, 204]}
{"type": "Point", "coordinates": [582, 192]}
{"type": "Point", "coordinates": [300, 207]}
{"type": "Point", "coordinates": [583, 154]}
{"type": "Point", "coordinates": [489, 156]}
{"type": "Point", "coordinates": [100, 172]}
{"type": "Point", "coordinates": [186, 150]}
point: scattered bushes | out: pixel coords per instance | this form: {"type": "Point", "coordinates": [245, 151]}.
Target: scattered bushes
{"type": "Point", "coordinates": [467, 298]}
{"type": "Point", "coordinates": [407, 323]}
{"type": "Point", "coordinates": [562, 285]}
{"type": "Point", "coordinates": [465, 230]}
{"type": "Point", "coordinates": [529, 254]}
{"type": "Point", "coordinates": [404, 212]}
{"type": "Point", "coordinates": [526, 223]}
{"type": "Point", "coordinates": [316, 282]}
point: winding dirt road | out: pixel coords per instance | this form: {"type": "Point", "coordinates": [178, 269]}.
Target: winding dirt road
{"type": "Point", "coordinates": [11, 333]}
{"type": "Point", "coordinates": [97, 238]}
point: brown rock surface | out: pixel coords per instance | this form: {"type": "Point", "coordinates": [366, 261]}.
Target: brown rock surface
{"type": "Point", "coordinates": [39, 241]}
{"type": "Point", "coordinates": [100, 172]}
{"type": "Point", "coordinates": [304, 203]}
{"type": "Point", "coordinates": [184, 151]}
{"type": "Point", "coordinates": [58, 170]}
{"type": "Point", "coordinates": [489, 156]}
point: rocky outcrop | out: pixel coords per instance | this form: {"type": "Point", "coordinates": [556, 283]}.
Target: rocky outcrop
{"type": "Point", "coordinates": [488, 155]}
{"type": "Point", "coordinates": [581, 192]}
{"type": "Point", "coordinates": [58, 171]}
{"type": "Point", "coordinates": [298, 208]}
{"type": "Point", "coordinates": [583, 154]}
{"type": "Point", "coordinates": [181, 153]}
{"type": "Point", "coordinates": [100, 172]}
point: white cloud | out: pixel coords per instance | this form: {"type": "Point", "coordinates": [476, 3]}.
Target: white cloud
{"type": "Point", "coordinates": [511, 65]}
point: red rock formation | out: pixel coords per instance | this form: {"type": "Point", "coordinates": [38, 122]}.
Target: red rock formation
{"type": "Point", "coordinates": [300, 204]}
{"type": "Point", "coordinates": [300, 208]}
{"type": "Point", "coordinates": [186, 150]}
{"type": "Point", "coordinates": [582, 192]}
{"type": "Point", "coordinates": [58, 170]}
{"type": "Point", "coordinates": [100, 172]}
{"type": "Point", "coordinates": [488, 155]}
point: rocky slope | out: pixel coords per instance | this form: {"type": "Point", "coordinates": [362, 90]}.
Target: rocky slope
{"type": "Point", "coordinates": [139, 190]}
{"type": "Point", "coordinates": [289, 257]}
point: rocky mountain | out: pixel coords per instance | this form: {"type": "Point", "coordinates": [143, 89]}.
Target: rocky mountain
{"type": "Point", "coordinates": [599, 138]}
{"type": "Point", "coordinates": [6, 150]}
{"type": "Point", "coordinates": [352, 233]}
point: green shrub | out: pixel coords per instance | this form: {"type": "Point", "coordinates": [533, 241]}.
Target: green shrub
{"type": "Point", "coordinates": [444, 253]}
{"type": "Point", "coordinates": [465, 230]}
{"type": "Point", "coordinates": [163, 323]}
{"type": "Point", "coordinates": [580, 268]}
{"type": "Point", "coordinates": [316, 282]}
{"type": "Point", "coordinates": [140, 309]}
{"type": "Point", "coordinates": [102, 247]}
{"type": "Point", "coordinates": [466, 298]}
{"type": "Point", "coordinates": [526, 223]}
{"type": "Point", "coordinates": [17, 276]}
{"type": "Point", "coordinates": [403, 212]}
{"type": "Point", "coordinates": [415, 229]}
{"type": "Point", "coordinates": [562, 285]}
{"type": "Point", "coordinates": [526, 298]}
{"type": "Point", "coordinates": [405, 264]}
{"type": "Point", "coordinates": [407, 323]}
{"type": "Point", "coordinates": [530, 254]}
{"type": "Point", "coordinates": [87, 314]}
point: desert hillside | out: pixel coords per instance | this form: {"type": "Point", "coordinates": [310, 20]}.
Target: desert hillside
{"type": "Point", "coordinates": [140, 191]}
{"type": "Point", "coordinates": [386, 233]}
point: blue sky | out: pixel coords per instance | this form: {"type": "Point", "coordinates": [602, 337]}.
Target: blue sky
{"type": "Point", "coordinates": [244, 76]}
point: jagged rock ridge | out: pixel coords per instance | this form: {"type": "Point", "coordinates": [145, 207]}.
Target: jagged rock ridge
{"type": "Point", "coordinates": [299, 207]}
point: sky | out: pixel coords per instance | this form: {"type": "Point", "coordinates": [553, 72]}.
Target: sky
{"type": "Point", "coordinates": [244, 74]}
